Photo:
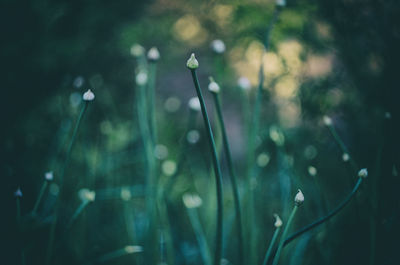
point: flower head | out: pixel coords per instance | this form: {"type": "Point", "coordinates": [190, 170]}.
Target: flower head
{"type": "Point", "coordinates": [49, 176]}
{"type": "Point", "coordinates": [153, 54]}
{"type": "Point", "coordinates": [88, 95]}
{"type": "Point", "coordinates": [87, 195]}
{"type": "Point", "coordinates": [363, 173]}
{"type": "Point", "coordinates": [278, 222]}
{"type": "Point", "coordinates": [244, 83]}
{"type": "Point", "coordinates": [191, 200]}
{"type": "Point", "coordinates": [133, 249]}
{"type": "Point", "coordinates": [141, 78]}
{"type": "Point", "coordinates": [213, 86]}
{"type": "Point", "coordinates": [299, 198]}
{"type": "Point", "coordinates": [18, 193]}
{"type": "Point", "coordinates": [192, 62]}
{"type": "Point", "coordinates": [137, 50]}
{"type": "Point", "coordinates": [327, 120]}
{"type": "Point", "coordinates": [281, 3]}
{"type": "Point", "coordinates": [218, 46]}
{"type": "Point", "coordinates": [194, 104]}
{"type": "Point", "coordinates": [345, 157]}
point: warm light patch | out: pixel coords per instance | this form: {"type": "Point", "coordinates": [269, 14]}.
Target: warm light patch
{"type": "Point", "coordinates": [223, 14]}
{"type": "Point", "coordinates": [272, 65]}
{"type": "Point", "coordinates": [286, 87]}
{"type": "Point", "coordinates": [188, 29]}
{"type": "Point", "coordinates": [318, 65]}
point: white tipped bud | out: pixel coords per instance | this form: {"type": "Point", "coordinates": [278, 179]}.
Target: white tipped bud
{"type": "Point", "coordinates": [299, 198]}
{"type": "Point", "coordinates": [281, 3]}
{"type": "Point", "coordinates": [278, 222]}
{"type": "Point", "coordinates": [88, 95]}
{"type": "Point", "coordinates": [345, 157]}
{"type": "Point", "coordinates": [153, 55]}
{"type": "Point", "coordinates": [126, 194]}
{"type": "Point", "coordinates": [137, 50]}
{"type": "Point", "coordinates": [18, 193]}
{"type": "Point", "coordinates": [192, 62]}
{"type": "Point", "coordinates": [141, 78]}
{"type": "Point", "coordinates": [87, 195]}
{"type": "Point", "coordinates": [194, 104]}
{"type": "Point", "coordinates": [327, 120]}
{"type": "Point", "coordinates": [312, 171]}
{"type": "Point", "coordinates": [49, 176]}
{"type": "Point", "coordinates": [213, 87]}
{"type": "Point", "coordinates": [244, 83]}
{"type": "Point", "coordinates": [191, 200]}
{"type": "Point", "coordinates": [193, 136]}
{"type": "Point", "coordinates": [218, 46]}
{"type": "Point", "coordinates": [133, 249]}
{"type": "Point", "coordinates": [363, 173]}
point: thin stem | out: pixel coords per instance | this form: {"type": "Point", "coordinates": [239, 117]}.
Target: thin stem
{"type": "Point", "coordinates": [233, 177]}
{"type": "Point", "coordinates": [200, 237]}
{"type": "Point", "coordinates": [40, 196]}
{"type": "Point", "coordinates": [327, 217]}
{"type": "Point", "coordinates": [61, 180]}
{"type": "Point", "coordinates": [271, 245]}
{"type": "Point", "coordinates": [77, 212]}
{"type": "Point", "coordinates": [285, 231]}
{"type": "Point", "coordinates": [217, 170]}
{"type": "Point", "coordinates": [151, 101]}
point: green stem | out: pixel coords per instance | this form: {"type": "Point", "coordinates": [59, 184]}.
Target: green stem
{"type": "Point", "coordinates": [77, 213]}
{"type": "Point", "coordinates": [61, 180]}
{"type": "Point", "coordinates": [326, 217]}
{"type": "Point", "coordinates": [200, 237]}
{"type": "Point", "coordinates": [217, 170]}
{"type": "Point", "coordinates": [39, 198]}
{"type": "Point", "coordinates": [233, 177]}
{"type": "Point", "coordinates": [285, 231]}
{"type": "Point", "coordinates": [151, 101]}
{"type": "Point", "coordinates": [271, 245]}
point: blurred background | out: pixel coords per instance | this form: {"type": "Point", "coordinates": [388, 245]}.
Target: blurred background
{"type": "Point", "coordinates": [337, 58]}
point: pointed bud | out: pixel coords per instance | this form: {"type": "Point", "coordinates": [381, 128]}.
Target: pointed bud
{"type": "Point", "coordinates": [153, 55]}
{"type": "Point", "coordinates": [18, 193]}
{"type": "Point", "coordinates": [213, 86]}
{"type": "Point", "coordinates": [137, 50]}
{"type": "Point", "coordinates": [327, 120]}
{"type": "Point", "coordinates": [141, 78]}
{"type": "Point", "coordinates": [194, 104]}
{"type": "Point", "coordinates": [278, 222]}
{"type": "Point", "coordinates": [363, 173]}
{"type": "Point", "coordinates": [192, 63]}
{"type": "Point", "coordinates": [345, 157]}
{"type": "Point", "coordinates": [49, 176]}
{"type": "Point", "coordinates": [88, 95]}
{"type": "Point", "coordinates": [299, 198]}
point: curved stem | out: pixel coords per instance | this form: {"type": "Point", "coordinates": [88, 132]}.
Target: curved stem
{"type": "Point", "coordinates": [271, 245]}
{"type": "Point", "coordinates": [217, 170]}
{"type": "Point", "coordinates": [39, 198]}
{"type": "Point", "coordinates": [285, 231]}
{"type": "Point", "coordinates": [233, 177]}
{"type": "Point", "coordinates": [327, 217]}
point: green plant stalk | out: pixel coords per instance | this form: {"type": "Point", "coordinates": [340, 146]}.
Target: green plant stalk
{"type": "Point", "coordinates": [18, 202]}
{"type": "Point", "coordinates": [151, 172]}
{"type": "Point", "coordinates": [343, 147]}
{"type": "Point", "coordinates": [271, 245]}
{"type": "Point", "coordinates": [326, 217]}
{"type": "Point", "coordinates": [113, 255]}
{"type": "Point", "coordinates": [77, 212]}
{"type": "Point", "coordinates": [232, 174]}
{"type": "Point", "coordinates": [61, 181]}
{"type": "Point", "coordinates": [285, 231]}
{"type": "Point", "coordinates": [40, 196]}
{"type": "Point", "coordinates": [217, 170]}
{"type": "Point", "coordinates": [200, 237]}
{"type": "Point", "coordinates": [165, 227]}
{"type": "Point", "coordinates": [151, 101]}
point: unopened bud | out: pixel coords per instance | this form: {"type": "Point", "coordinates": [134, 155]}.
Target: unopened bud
{"type": "Point", "coordinates": [192, 62]}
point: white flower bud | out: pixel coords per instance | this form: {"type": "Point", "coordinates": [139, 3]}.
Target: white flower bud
{"type": "Point", "coordinates": [281, 3]}
{"type": "Point", "coordinates": [299, 198]}
{"type": "Point", "coordinates": [141, 78]}
{"type": "Point", "coordinates": [87, 195]}
{"type": "Point", "coordinates": [192, 63]}
{"type": "Point", "coordinates": [194, 104]}
{"type": "Point", "coordinates": [193, 136]}
{"type": "Point", "coordinates": [49, 176]}
{"type": "Point", "coordinates": [278, 222]}
{"type": "Point", "coordinates": [244, 83]}
{"type": "Point", "coordinates": [137, 50]}
{"type": "Point", "coordinates": [88, 95]}
{"type": "Point", "coordinates": [312, 171]}
{"type": "Point", "coordinates": [191, 200]}
{"type": "Point", "coordinates": [153, 55]}
{"type": "Point", "coordinates": [213, 87]}
{"type": "Point", "coordinates": [363, 173]}
{"type": "Point", "coordinates": [345, 157]}
{"type": "Point", "coordinates": [327, 120]}
{"type": "Point", "coordinates": [218, 46]}
{"type": "Point", "coordinates": [160, 151]}
{"type": "Point", "coordinates": [18, 193]}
